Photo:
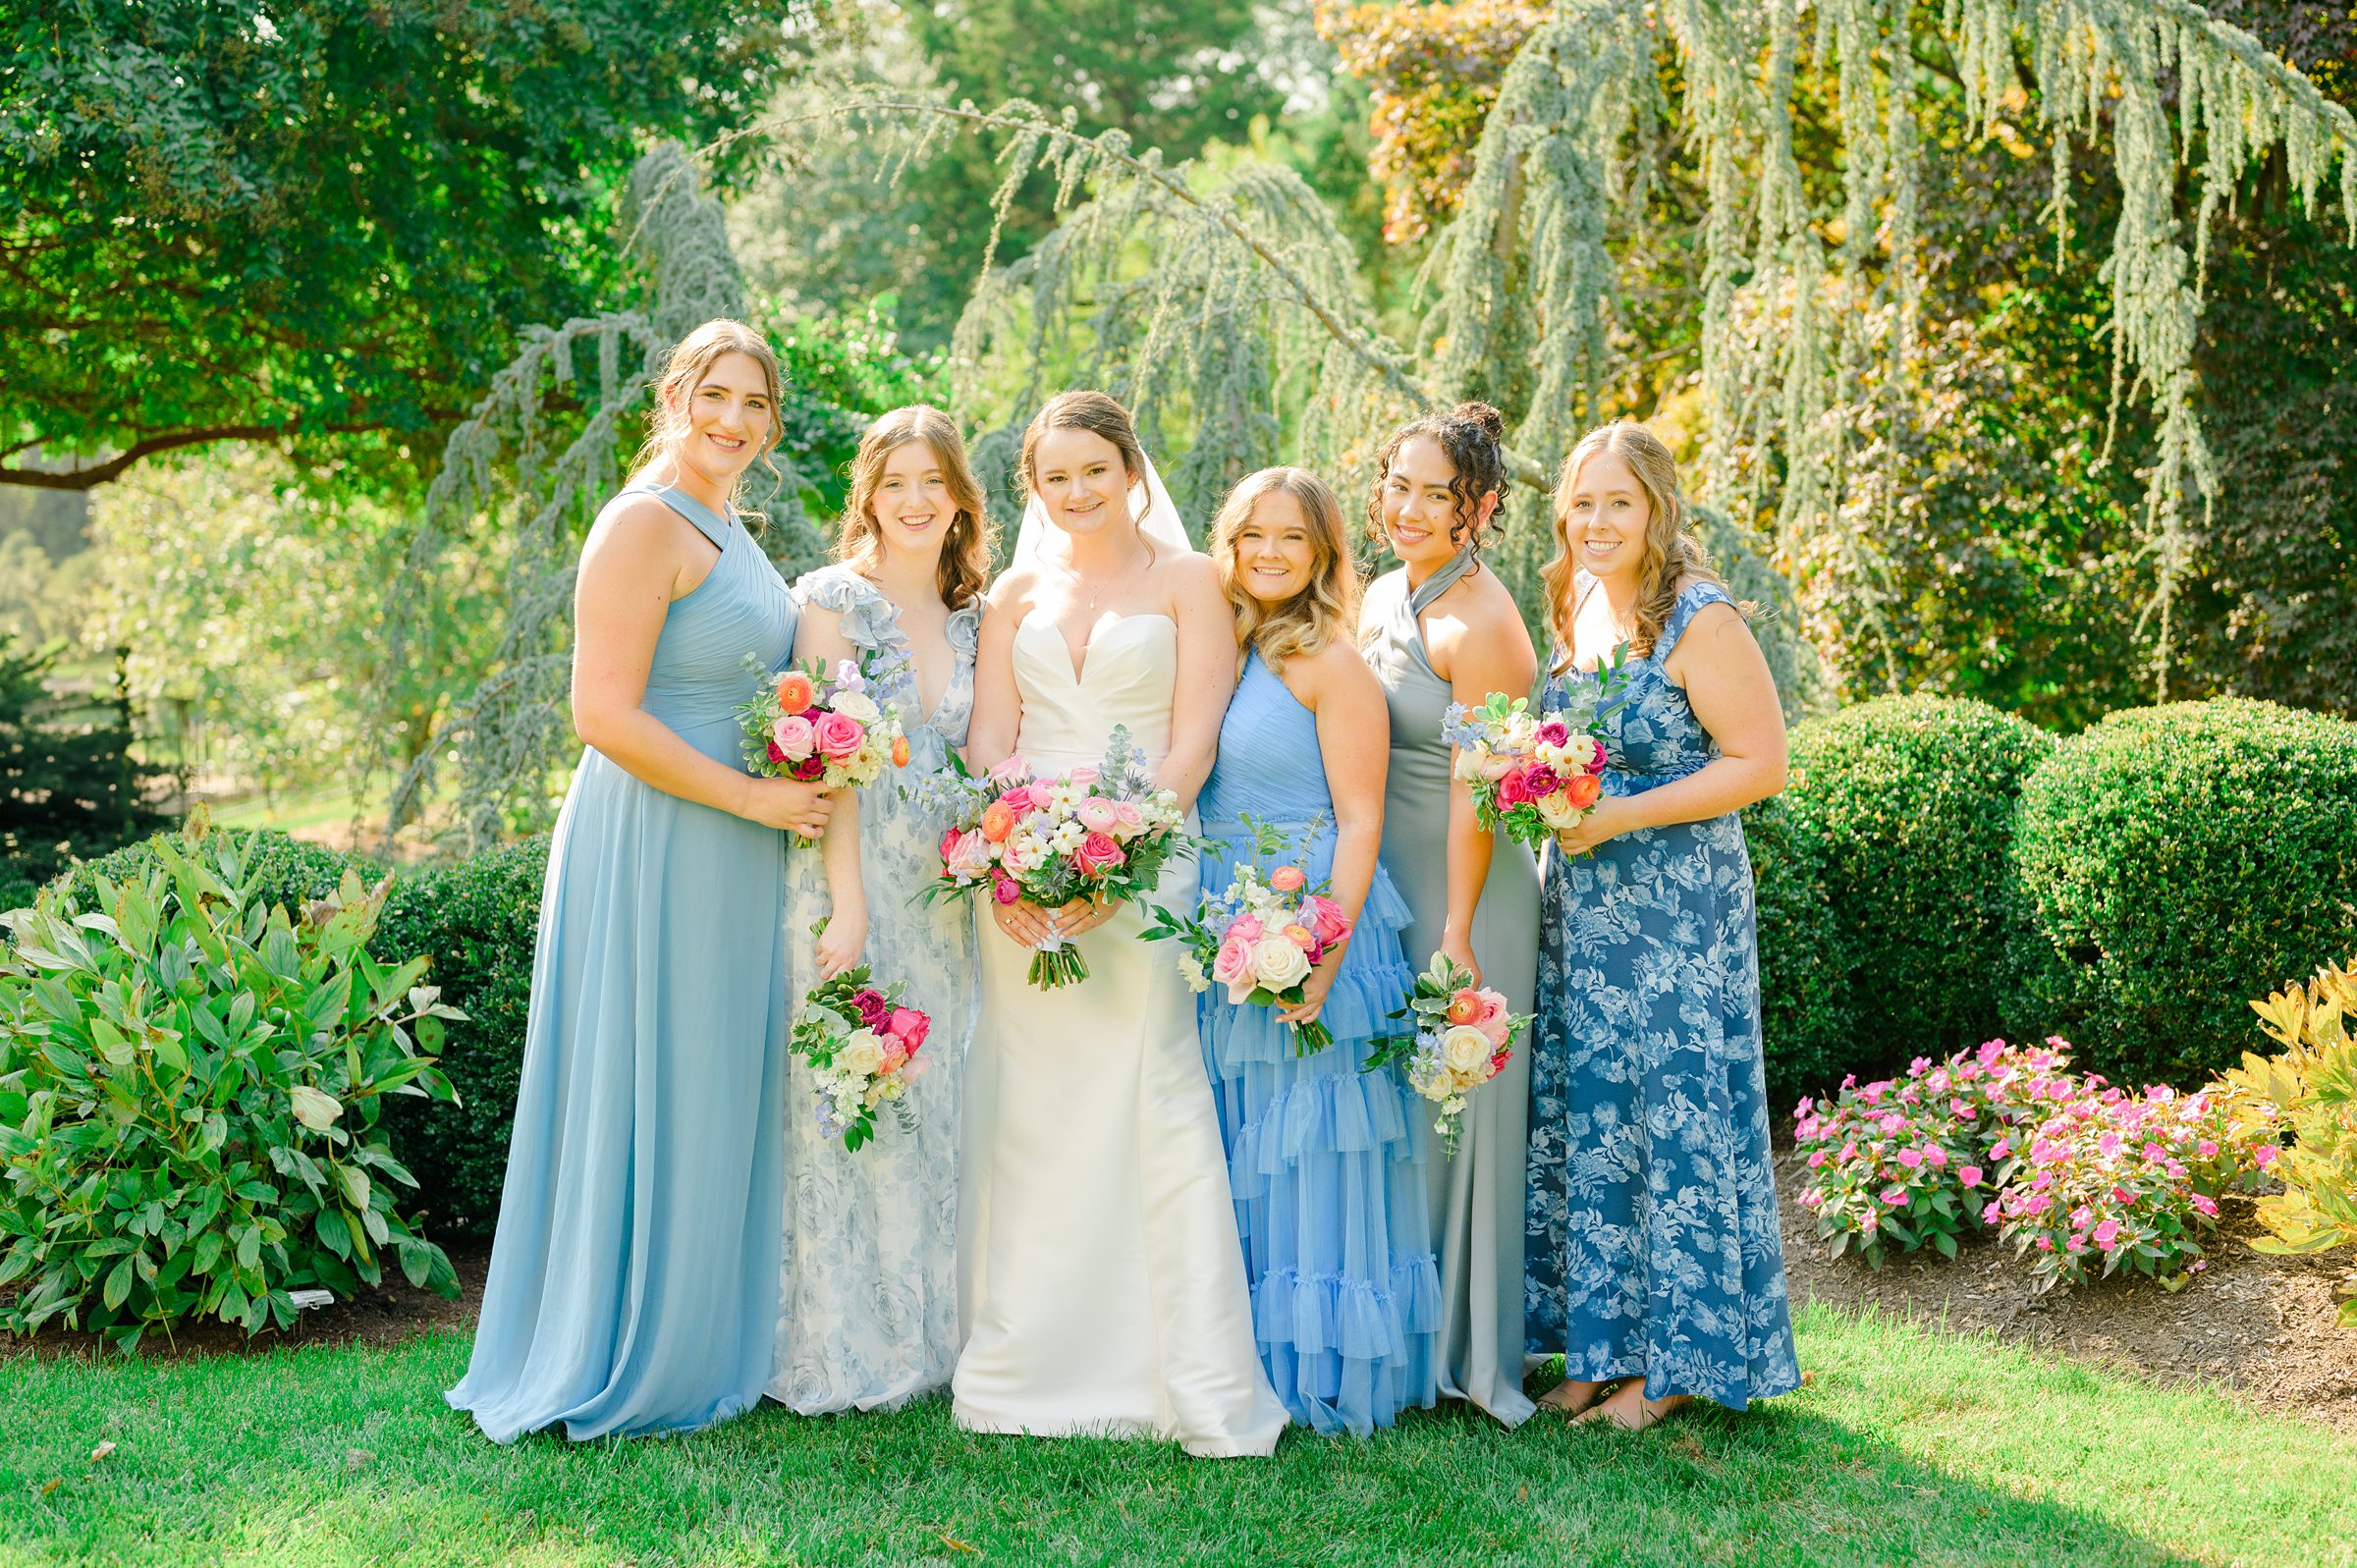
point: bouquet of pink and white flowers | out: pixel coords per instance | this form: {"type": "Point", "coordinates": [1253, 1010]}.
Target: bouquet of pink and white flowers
{"type": "Point", "coordinates": [1532, 774]}
{"type": "Point", "coordinates": [1463, 1038]}
{"type": "Point", "coordinates": [1102, 832]}
{"type": "Point", "coordinates": [1260, 939]}
{"type": "Point", "coordinates": [838, 731]}
{"type": "Point", "coordinates": [861, 1045]}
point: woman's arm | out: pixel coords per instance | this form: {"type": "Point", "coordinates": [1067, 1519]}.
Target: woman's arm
{"type": "Point", "coordinates": [998, 716]}
{"type": "Point", "coordinates": [1489, 650]}
{"type": "Point", "coordinates": [1734, 696]}
{"type": "Point", "coordinates": [1354, 738]}
{"type": "Point", "coordinates": [631, 573]}
{"type": "Point", "coordinates": [845, 936]}
{"type": "Point", "coordinates": [1206, 676]}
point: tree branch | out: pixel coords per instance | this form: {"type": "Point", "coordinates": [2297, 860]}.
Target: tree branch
{"type": "Point", "coordinates": [91, 479]}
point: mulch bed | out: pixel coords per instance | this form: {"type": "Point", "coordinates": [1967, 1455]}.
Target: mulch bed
{"type": "Point", "coordinates": [2262, 1327]}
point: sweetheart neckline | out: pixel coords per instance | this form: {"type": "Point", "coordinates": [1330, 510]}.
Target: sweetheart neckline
{"type": "Point", "coordinates": [1078, 672]}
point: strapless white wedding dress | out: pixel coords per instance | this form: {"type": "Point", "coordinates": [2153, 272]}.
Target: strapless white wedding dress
{"type": "Point", "coordinates": [1103, 1281]}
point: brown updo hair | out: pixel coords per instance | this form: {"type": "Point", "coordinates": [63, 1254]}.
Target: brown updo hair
{"type": "Point", "coordinates": [1325, 609]}
{"type": "Point", "coordinates": [1099, 416]}
{"type": "Point", "coordinates": [1472, 435]}
{"type": "Point", "coordinates": [1672, 555]}
{"type": "Point", "coordinates": [691, 359]}
{"type": "Point", "coordinates": [964, 569]}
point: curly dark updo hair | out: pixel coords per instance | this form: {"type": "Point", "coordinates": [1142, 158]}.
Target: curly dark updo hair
{"type": "Point", "coordinates": [1473, 436]}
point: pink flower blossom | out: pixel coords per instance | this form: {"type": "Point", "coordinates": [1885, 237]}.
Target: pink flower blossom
{"type": "Point", "coordinates": [2107, 1235]}
{"type": "Point", "coordinates": [1970, 1176]}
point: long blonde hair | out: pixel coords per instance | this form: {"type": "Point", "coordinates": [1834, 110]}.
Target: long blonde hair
{"type": "Point", "coordinates": [1673, 554]}
{"type": "Point", "coordinates": [1326, 609]}
{"type": "Point", "coordinates": [964, 569]}
{"type": "Point", "coordinates": [691, 359]}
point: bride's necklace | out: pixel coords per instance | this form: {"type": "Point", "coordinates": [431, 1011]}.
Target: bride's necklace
{"type": "Point", "coordinates": [1094, 591]}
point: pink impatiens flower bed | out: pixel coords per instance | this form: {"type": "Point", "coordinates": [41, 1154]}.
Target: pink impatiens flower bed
{"type": "Point", "coordinates": [2069, 1168]}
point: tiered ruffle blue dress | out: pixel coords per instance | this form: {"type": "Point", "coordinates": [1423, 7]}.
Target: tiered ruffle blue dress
{"type": "Point", "coordinates": [1325, 1162]}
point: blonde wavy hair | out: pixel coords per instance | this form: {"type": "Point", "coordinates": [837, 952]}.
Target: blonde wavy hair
{"type": "Point", "coordinates": [1328, 608]}
{"type": "Point", "coordinates": [1672, 555]}
{"type": "Point", "coordinates": [964, 569]}
{"type": "Point", "coordinates": [691, 358]}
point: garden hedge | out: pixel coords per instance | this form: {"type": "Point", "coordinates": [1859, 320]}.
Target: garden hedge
{"type": "Point", "coordinates": [1905, 805]}
{"type": "Point", "coordinates": [1804, 995]}
{"type": "Point", "coordinates": [2170, 864]}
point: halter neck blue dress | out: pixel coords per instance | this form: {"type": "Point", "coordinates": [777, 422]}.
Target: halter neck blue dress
{"type": "Point", "coordinates": [1325, 1162]}
{"type": "Point", "coordinates": [633, 1283]}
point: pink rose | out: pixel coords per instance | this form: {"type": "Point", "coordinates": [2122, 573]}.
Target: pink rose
{"type": "Point", "coordinates": [1097, 815]}
{"type": "Point", "coordinates": [1233, 965]}
{"type": "Point", "coordinates": [1131, 818]}
{"type": "Point", "coordinates": [1012, 766]}
{"type": "Point", "coordinates": [1247, 927]}
{"type": "Point", "coordinates": [1495, 767]}
{"type": "Point", "coordinates": [1005, 889]}
{"type": "Point", "coordinates": [1554, 732]}
{"type": "Point", "coordinates": [1596, 765]}
{"type": "Point", "coordinates": [909, 1026]}
{"type": "Point", "coordinates": [1512, 790]}
{"type": "Point", "coordinates": [1542, 781]}
{"type": "Point", "coordinates": [1494, 1017]}
{"type": "Point", "coordinates": [1083, 776]}
{"type": "Point", "coordinates": [966, 855]}
{"type": "Point", "coordinates": [794, 736]}
{"type": "Point", "coordinates": [1326, 918]}
{"type": "Point", "coordinates": [1287, 879]}
{"type": "Point", "coordinates": [1099, 853]}
{"type": "Point", "coordinates": [840, 735]}
{"type": "Point", "coordinates": [895, 1053]}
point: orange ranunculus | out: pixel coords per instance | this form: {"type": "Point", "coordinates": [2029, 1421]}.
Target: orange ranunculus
{"type": "Point", "coordinates": [997, 822]}
{"type": "Point", "coordinates": [1583, 788]}
{"type": "Point", "coordinates": [1464, 1006]}
{"type": "Point", "coordinates": [795, 690]}
{"type": "Point", "coordinates": [899, 751]}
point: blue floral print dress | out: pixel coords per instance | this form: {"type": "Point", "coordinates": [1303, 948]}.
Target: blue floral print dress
{"type": "Point", "coordinates": [1653, 1247]}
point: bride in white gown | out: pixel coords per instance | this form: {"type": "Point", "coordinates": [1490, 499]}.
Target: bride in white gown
{"type": "Point", "coordinates": [1103, 1283]}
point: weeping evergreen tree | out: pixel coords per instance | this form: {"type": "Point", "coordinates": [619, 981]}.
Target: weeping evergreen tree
{"type": "Point", "coordinates": [1227, 311]}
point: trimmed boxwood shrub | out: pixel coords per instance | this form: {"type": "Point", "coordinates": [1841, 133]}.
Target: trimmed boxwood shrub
{"type": "Point", "coordinates": [2173, 862]}
{"type": "Point", "coordinates": [478, 920]}
{"type": "Point", "coordinates": [16, 890]}
{"type": "Point", "coordinates": [1804, 1013]}
{"type": "Point", "coordinates": [1906, 805]}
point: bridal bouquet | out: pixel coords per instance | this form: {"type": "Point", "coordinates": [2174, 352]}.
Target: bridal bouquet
{"type": "Point", "coordinates": [1531, 773]}
{"type": "Point", "coordinates": [1463, 1037]}
{"type": "Point", "coordinates": [838, 731]}
{"type": "Point", "coordinates": [1261, 937]}
{"type": "Point", "coordinates": [1101, 832]}
{"type": "Point", "coordinates": [861, 1045]}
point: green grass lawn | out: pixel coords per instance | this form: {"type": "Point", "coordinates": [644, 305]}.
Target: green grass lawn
{"type": "Point", "coordinates": [1906, 1447]}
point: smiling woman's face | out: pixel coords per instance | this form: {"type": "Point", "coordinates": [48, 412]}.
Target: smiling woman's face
{"type": "Point", "coordinates": [912, 508]}
{"type": "Point", "coordinates": [1078, 477]}
{"type": "Point", "coordinates": [1605, 517]}
{"type": "Point", "coordinates": [729, 418]}
{"type": "Point", "coordinates": [1275, 555]}
{"type": "Point", "coordinates": [1419, 511]}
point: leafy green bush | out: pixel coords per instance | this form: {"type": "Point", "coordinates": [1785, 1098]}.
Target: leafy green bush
{"type": "Point", "coordinates": [478, 921]}
{"type": "Point", "coordinates": [2171, 860]}
{"type": "Point", "coordinates": [1805, 1010]}
{"type": "Point", "coordinates": [16, 890]}
{"type": "Point", "coordinates": [1906, 805]}
{"type": "Point", "coordinates": [69, 782]}
{"type": "Point", "coordinates": [189, 1087]}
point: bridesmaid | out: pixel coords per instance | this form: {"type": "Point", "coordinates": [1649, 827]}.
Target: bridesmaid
{"type": "Point", "coordinates": [1442, 629]}
{"type": "Point", "coordinates": [1323, 1161]}
{"type": "Point", "coordinates": [1655, 1255]}
{"type": "Point", "coordinates": [633, 1279]}
{"type": "Point", "coordinates": [869, 1313]}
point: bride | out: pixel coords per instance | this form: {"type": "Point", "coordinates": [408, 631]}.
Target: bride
{"type": "Point", "coordinates": [1104, 1286]}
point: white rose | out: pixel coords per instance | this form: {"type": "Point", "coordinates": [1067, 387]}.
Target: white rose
{"type": "Point", "coordinates": [1465, 1049]}
{"type": "Point", "coordinates": [1557, 811]}
{"type": "Point", "coordinates": [858, 705]}
{"type": "Point", "coordinates": [1276, 963]}
{"type": "Point", "coordinates": [864, 1056]}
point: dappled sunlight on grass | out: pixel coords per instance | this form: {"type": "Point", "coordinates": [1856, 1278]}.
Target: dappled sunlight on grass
{"type": "Point", "coordinates": [1907, 1445]}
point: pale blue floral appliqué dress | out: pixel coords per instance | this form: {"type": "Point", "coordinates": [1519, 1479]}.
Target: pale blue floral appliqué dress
{"type": "Point", "coordinates": [633, 1283]}
{"type": "Point", "coordinates": [1325, 1162]}
{"type": "Point", "coordinates": [869, 1313]}
{"type": "Point", "coordinates": [1653, 1247]}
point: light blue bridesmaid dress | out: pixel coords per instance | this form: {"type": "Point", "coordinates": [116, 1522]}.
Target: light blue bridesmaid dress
{"type": "Point", "coordinates": [1653, 1244]}
{"type": "Point", "coordinates": [633, 1282]}
{"type": "Point", "coordinates": [1326, 1163]}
